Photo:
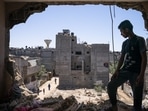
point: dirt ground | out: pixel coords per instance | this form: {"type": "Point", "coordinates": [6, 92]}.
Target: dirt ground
{"type": "Point", "coordinates": [82, 95]}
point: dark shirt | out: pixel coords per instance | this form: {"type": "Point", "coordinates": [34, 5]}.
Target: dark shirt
{"type": "Point", "coordinates": [132, 48]}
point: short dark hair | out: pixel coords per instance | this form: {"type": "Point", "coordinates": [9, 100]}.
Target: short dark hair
{"type": "Point", "coordinates": [125, 24]}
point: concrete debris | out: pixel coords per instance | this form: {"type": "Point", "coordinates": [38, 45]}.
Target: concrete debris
{"type": "Point", "coordinates": [22, 99]}
{"type": "Point", "coordinates": [69, 104]}
{"type": "Point", "coordinates": [145, 102]}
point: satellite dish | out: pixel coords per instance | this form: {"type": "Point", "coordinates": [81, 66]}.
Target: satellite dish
{"type": "Point", "coordinates": [47, 41]}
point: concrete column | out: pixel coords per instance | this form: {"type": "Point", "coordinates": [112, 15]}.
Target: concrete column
{"type": "Point", "coordinates": [2, 43]}
{"type": "Point", "coordinates": [82, 67]}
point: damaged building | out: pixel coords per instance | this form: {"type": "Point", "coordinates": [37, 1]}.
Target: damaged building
{"type": "Point", "coordinates": [76, 64]}
{"type": "Point", "coordinates": [80, 65]}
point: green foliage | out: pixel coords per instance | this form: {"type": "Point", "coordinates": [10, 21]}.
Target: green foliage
{"type": "Point", "coordinates": [98, 88]}
{"type": "Point", "coordinates": [42, 71]}
{"type": "Point", "coordinates": [112, 67]}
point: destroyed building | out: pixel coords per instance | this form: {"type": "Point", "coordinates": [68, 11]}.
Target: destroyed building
{"type": "Point", "coordinates": [80, 64]}
{"type": "Point", "coordinates": [29, 68]}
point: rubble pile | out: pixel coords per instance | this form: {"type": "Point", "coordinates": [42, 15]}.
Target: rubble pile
{"type": "Point", "coordinates": [24, 100]}
{"type": "Point", "coordinates": [60, 104]}
{"type": "Point", "coordinates": [68, 104]}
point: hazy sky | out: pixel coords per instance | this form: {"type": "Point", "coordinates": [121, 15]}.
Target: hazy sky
{"type": "Point", "coordinates": [90, 23]}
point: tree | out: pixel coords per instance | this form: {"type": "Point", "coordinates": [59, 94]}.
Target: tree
{"type": "Point", "coordinates": [42, 71]}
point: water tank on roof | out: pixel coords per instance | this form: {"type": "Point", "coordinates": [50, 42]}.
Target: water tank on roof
{"type": "Point", "coordinates": [47, 41]}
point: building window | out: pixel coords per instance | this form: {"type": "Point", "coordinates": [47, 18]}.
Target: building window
{"type": "Point", "coordinates": [79, 67]}
{"type": "Point", "coordinates": [87, 52]}
{"type": "Point", "coordinates": [106, 64]}
{"type": "Point", "coordinates": [78, 53]}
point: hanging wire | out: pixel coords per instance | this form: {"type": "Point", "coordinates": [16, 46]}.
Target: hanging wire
{"type": "Point", "coordinates": [112, 25]}
{"type": "Point", "coordinates": [114, 11]}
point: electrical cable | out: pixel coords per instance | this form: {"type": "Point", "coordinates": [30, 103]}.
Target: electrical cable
{"type": "Point", "coordinates": [112, 25]}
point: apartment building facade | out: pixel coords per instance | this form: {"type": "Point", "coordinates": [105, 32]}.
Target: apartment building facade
{"type": "Point", "coordinates": [80, 64]}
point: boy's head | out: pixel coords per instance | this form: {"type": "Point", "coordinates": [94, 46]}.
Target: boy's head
{"type": "Point", "coordinates": [126, 28]}
{"type": "Point", "coordinates": [126, 24]}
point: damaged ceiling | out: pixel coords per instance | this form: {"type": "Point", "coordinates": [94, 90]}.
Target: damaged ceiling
{"type": "Point", "coordinates": [40, 5]}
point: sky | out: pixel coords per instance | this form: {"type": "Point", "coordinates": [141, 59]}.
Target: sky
{"type": "Point", "coordinates": [90, 23]}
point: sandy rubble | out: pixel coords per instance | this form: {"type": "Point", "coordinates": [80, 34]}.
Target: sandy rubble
{"type": "Point", "coordinates": [82, 95]}
{"type": "Point", "coordinates": [81, 99]}
{"type": "Point", "coordinates": [85, 96]}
